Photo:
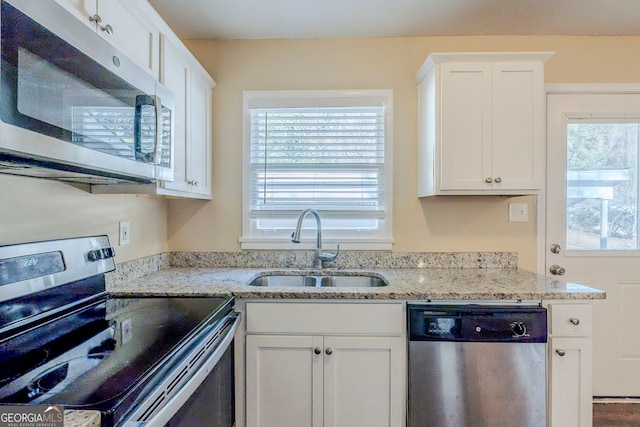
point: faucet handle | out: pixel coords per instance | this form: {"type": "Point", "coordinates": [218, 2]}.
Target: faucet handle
{"type": "Point", "coordinates": [328, 256]}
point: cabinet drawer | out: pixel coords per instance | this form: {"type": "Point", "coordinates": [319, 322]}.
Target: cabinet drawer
{"type": "Point", "coordinates": [570, 319]}
{"type": "Point", "coordinates": [325, 318]}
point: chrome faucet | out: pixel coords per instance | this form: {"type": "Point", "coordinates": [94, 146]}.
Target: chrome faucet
{"type": "Point", "coordinates": [321, 257]}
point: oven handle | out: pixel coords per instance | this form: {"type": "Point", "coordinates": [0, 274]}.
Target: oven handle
{"type": "Point", "coordinates": [175, 403]}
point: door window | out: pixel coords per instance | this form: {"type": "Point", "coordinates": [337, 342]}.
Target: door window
{"type": "Point", "coordinates": [602, 185]}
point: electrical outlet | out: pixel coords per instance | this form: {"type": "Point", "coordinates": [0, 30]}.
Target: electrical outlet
{"type": "Point", "coordinates": [518, 212]}
{"type": "Point", "coordinates": [125, 237]}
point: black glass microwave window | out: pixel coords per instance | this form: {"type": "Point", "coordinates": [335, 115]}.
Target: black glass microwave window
{"type": "Point", "coordinates": [50, 87]}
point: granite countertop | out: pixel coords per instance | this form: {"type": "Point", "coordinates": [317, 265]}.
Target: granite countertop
{"type": "Point", "coordinates": [403, 284]}
{"type": "Point", "coordinates": [82, 418]}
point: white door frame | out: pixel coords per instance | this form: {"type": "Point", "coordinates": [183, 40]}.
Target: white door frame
{"type": "Point", "coordinates": [541, 200]}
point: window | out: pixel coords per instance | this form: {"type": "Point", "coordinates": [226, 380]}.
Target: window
{"type": "Point", "coordinates": [328, 150]}
{"type": "Point", "coordinates": [602, 184]}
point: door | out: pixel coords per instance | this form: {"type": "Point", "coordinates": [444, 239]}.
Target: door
{"type": "Point", "coordinates": [592, 222]}
{"type": "Point", "coordinates": [465, 97]}
{"type": "Point", "coordinates": [517, 126]}
{"type": "Point", "coordinates": [362, 384]}
{"type": "Point", "coordinates": [284, 381]}
{"type": "Point", "coordinates": [569, 383]}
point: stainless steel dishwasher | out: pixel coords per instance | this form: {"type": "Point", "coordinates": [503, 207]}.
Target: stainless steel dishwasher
{"type": "Point", "coordinates": [477, 365]}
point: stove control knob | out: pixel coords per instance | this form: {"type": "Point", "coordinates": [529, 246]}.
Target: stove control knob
{"type": "Point", "coordinates": [109, 252]}
{"type": "Point", "coordinates": [519, 329]}
{"type": "Point", "coordinates": [95, 255]}
{"type": "Point", "coordinates": [99, 254]}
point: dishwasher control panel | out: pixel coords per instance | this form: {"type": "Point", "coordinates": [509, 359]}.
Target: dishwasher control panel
{"type": "Point", "coordinates": [482, 323]}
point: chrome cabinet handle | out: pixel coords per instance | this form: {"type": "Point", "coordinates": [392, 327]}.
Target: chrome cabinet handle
{"type": "Point", "coordinates": [106, 28]}
{"type": "Point", "coordinates": [98, 19]}
{"type": "Point", "coordinates": [560, 353]}
{"type": "Point", "coordinates": [329, 351]}
{"type": "Point", "coordinates": [498, 180]}
{"type": "Point", "coordinates": [317, 350]}
{"type": "Point", "coordinates": [574, 321]}
{"type": "Point", "coordinates": [556, 270]}
{"type": "Point", "coordinates": [488, 180]}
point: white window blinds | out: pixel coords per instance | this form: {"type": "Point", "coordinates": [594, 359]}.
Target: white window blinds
{"type": "Point", "coordinates": [331, 159]}
{"type": "Point", "coordinates": [328, 150]}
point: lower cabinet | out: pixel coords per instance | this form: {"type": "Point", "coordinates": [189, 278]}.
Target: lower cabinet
{"type": "Point", "coordinates": [570, 365]}
{"type": "Point", "coordinates": [323, 379]}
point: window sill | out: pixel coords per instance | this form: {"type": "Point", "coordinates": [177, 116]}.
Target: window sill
{"type": "Point", "coordinates": [310, 244]}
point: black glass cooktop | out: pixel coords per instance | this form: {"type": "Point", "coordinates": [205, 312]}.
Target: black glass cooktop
{"type": "Point", "coordinates": [104, 354]}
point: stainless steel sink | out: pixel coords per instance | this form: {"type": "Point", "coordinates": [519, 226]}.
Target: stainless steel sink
{"type": "Point", "coordinates": [336, 281]}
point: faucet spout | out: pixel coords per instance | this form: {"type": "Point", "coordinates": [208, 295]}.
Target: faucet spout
{"type": "Point", "coordinates": [320, 256]}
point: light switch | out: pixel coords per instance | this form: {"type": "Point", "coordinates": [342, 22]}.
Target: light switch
{"type": "Point", "coordinates": [518, 212]}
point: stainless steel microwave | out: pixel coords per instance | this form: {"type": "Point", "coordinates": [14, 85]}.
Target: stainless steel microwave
{"type": "Point", "coordinates": [72, 107]}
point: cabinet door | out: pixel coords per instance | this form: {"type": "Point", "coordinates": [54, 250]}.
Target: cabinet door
{"type": "Point", "coordinates": [175, 76]}
{"type": "Point", "coordinates": [284, 381]}
{"type": "Point", "coordinates": [465, 144]}
{"type": "Point", "coordinates": [570, 378]}
{"type": "Point", "coordinates": [199, 145]}
{"type": "Point", "coordinates": [363, 381]}
{"type": "Point", "coordinates": [81, 9]}
{"type": "Point", "coordinates": [131, 32]}
{"type": "Point", "coordinates": [517, 117]}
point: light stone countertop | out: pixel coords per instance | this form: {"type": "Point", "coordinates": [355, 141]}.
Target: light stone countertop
{"type": "Point", "coordinates": [403, 284]}
{"type": "Point", "coordinates": [82, 418]}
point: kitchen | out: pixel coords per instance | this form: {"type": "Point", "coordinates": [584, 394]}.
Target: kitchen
{"type": "Point", "coordinates": [37, 210]}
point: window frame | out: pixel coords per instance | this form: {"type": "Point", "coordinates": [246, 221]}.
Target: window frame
{"type": "Point", "coordinates": [381, 240]}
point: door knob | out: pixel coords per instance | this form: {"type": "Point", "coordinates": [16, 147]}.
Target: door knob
{"type": "Point", "coordinates": [555, 248]}
{"type": "Point", "coordinates": [556, 270]}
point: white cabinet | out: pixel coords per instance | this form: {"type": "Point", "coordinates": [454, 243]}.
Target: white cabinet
{"type": "Point", "coordinates": [124, 24]}
{"type": "Point", "coordinates": [315, 364]}
{"type": "Point", "coordinates": [192, 89]}
{"type": "Point", "coordinates": [570, 364]}
{"type": "Point", "coordinates": [481, 119]}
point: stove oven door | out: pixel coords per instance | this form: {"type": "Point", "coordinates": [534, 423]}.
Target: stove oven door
{"type": "Point", "coordinates": [204, 397]}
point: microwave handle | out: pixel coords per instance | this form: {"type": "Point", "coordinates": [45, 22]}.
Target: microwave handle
{"type": "Point", "coordinates": [154, 156]}
{"type": "Point", "coordinates": [157, 155]}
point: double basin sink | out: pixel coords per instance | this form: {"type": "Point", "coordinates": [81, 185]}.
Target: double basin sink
{"type": "Point", "coordinates": [324, 281]}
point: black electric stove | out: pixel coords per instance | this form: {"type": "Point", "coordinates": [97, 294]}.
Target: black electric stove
{"type": "Point", "coordinates": [65, 341]}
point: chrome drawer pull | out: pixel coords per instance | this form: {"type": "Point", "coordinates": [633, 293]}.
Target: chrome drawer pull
{"type": "Point", "coordinates": [574, 321]}
{"type": "Point", "coordinates": [561, 353]}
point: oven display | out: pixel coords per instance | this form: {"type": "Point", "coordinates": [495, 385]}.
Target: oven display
{"type": "Point", "coordinates": [28, 267]}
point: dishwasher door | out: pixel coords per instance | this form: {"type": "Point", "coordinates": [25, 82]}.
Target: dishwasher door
{"type": "Point", "coordinates": [480, 366]}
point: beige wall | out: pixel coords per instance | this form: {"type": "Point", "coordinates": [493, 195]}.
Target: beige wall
{"type": "Point", "coordinates": [436, 224]}
{"type": "Point", "coordinates": [33, 209]}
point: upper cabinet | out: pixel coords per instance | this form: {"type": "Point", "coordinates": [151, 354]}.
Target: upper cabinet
{"type": "Point", "coordinates": [192, 88]}
{"type": "Point", "coordinates": [125, 25]}
{"type": "Point", "coordinates": [178, 70]}
{"type": "Point", "coordinates": [481, 121]}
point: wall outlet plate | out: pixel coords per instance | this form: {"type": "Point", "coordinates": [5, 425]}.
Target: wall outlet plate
{"type": "Point", "coordinates": [125, 236]}
{"type": "Point", "coordinates": [518, 212]}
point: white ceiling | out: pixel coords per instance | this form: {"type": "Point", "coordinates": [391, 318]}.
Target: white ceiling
{"type": "Point", "coordinates": [268, 19]}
